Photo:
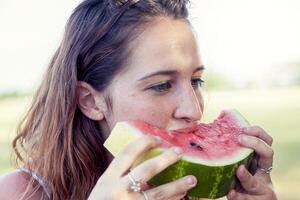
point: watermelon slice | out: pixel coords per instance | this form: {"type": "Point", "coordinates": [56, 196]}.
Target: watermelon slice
{"type": "Point", "coordinates": [211, 152]}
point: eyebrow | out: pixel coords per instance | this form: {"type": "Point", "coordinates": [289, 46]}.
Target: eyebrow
{"type": "Point", "coordinates": [169, 72]}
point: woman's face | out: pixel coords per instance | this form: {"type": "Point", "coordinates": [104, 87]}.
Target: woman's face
{"type": "Point", "coordinates": [161, 84]}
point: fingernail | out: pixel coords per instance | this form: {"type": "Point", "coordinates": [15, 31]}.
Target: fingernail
{"type": "Point", "coordinates": [243, 167]}
{"type": "Point", "coordinates": [242, 170]}
{"type": "Point", "coordinates": [231, 194]}
{"type": "Point", "coordinates": [178, 150]}
{"type": "Point", "coordinates": [183, 194]}
{"type": "Point", "coordinates": [243, 138]}
{"type": "Point", "coordinates": [157, 139]}
{"type": "Point", "coordinates": [191, 180]}
{"type": "Point", "coordinates": [246, 129]}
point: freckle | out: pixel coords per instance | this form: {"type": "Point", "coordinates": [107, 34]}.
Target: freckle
{"type": "Point", "coordinates": [152, 113]}
{"type": "Point", "coordinates": [132, 95]}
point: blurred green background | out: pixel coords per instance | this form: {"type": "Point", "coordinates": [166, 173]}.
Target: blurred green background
{"type": "Point", "coordinates": [277, 110]}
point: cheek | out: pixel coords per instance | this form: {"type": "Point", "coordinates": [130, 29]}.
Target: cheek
{"type": "Point", "coordinates": [200, 96]}
{"type": "Point", "coordinates": [148, 109]}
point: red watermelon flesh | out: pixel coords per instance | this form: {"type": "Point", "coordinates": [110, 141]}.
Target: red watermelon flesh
{"type": "Point", "coordinates": [215, 140]}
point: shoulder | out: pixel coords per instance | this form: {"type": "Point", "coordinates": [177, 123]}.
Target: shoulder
{"type": "Point", "coordinates": [13, 185]}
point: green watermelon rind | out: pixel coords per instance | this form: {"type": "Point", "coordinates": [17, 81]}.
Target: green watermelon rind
{"type": "Point", "coordinates": [212, 181]}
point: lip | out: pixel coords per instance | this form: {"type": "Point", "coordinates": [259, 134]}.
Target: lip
{"type": "Point", "coordinates": [185, 128]}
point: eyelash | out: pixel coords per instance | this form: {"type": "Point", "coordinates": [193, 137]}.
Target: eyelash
{"type": "Point", "coordinates": [198, 82]}
{"type": "Point", "coordinates": [164, 86]}
{"type": "Point", "coordinates": [161, 87]}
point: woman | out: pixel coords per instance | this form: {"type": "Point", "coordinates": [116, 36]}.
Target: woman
{"type": "Point", "coordinates": [118, 60]}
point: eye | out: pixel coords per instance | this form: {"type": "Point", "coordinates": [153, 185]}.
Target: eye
{"type": "Point", "coordinates": [161, 87]}
{"type": "Point", "coordinates": [197, 82]}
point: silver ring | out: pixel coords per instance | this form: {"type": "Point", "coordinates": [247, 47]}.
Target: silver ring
{"type": "Point", "coordinates": [136, 185]}
{"type": "Point", "coordinates": [267, 171]}
{"type": "Point", "coordinates": [145, 195]}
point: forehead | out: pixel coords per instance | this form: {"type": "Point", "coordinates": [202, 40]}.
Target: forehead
{"type": "Point", "coordinates": [165, 42]}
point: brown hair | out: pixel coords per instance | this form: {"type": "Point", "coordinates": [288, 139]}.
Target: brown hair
{"type": "Point", "coordinates": [55, 139]}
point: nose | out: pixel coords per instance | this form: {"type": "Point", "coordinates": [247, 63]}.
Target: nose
{"type": "Point", "coordinates": [189, 105]}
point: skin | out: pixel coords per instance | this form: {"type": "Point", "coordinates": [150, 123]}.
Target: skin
{"type": "Point", "coordinates": [156, 51]}
{"type": "Point", "coordinates": [171, 101]}
{"type": "Point", "coordinates": [168, 45]}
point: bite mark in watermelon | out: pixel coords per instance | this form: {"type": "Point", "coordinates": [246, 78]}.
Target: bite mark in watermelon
{"type": "Point", "coordinates": [211, 151]}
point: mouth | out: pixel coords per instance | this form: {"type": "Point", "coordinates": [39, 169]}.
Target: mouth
{"type": "Point", "coordinates": [184, 128]}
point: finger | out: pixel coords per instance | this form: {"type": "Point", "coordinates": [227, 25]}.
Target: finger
{"type": "Point", "coordinates": [149, 168]}
{"type": "Point", "coordinates": [234, 195]}
{"type": "Point", "coordinates": [178, 197]}
{"type": "Point", "coordinates": [250, 183]}
{"type": "Point", "coordinates": [263, 150]}
{"type": "Point", "coordinates": [172, 189]}
{"type": "Point", "coordinates": [124, 160]}
{"type": "Point", "coordinates": [260, 133]}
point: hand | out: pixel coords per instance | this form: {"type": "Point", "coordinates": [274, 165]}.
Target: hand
{"type": "Point", "coordinates": [115, 184]}
{"type": "Point", "coordinates": [256, 186]}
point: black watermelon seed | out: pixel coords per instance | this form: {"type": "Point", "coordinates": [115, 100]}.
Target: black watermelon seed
{"type": "Point", "coordinates": [196, 146]}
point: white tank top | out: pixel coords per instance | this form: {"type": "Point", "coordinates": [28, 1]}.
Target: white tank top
{"type": "Point", "coordinates": [38, 179]}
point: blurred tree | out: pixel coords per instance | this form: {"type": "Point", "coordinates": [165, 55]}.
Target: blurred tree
{"type": "Point", "coordinates": [215, 81]}
{"type": "Point", "coordinates": [294, 68]}
{"type": "Point", "coordinates": [287, 74]}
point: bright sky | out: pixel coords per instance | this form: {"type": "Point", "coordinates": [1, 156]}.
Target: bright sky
{"type": "Point", "coordinates": [243, 39]}
{"type": "Point", "coordinates": [246, 39]}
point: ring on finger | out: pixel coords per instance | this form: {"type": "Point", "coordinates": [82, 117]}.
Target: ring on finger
{"type": "Point", "coordinates": [145, 195]}
{"type": "Point", "coordinates": [267, 171]}
{"type": "Point", "coordinates": [136, 185]}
